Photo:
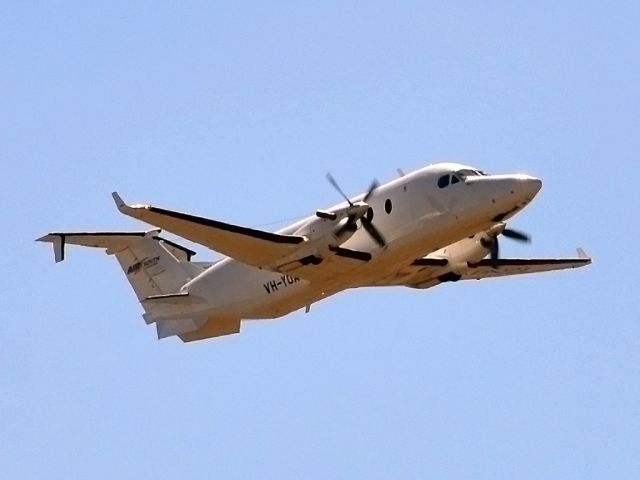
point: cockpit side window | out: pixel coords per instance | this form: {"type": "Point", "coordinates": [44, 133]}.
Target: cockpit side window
{"type": "Point", "coordinates": [443, 181]}
{"type": "Point", "coordinates": [454, 179]}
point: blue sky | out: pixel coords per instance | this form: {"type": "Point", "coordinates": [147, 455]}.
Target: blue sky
{"type": "Point", "coordinates": [236, 110]}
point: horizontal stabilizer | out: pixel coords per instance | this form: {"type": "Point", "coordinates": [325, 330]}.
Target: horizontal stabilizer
{"type": "Point", "coordinates": [111, 241]}
{"type": "Point", "coordinates": [157, 269]}
{"type": "Point", "coordinates": [108, 240]}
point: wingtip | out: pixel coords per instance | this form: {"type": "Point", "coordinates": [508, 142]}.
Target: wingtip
{"type": "Point", "coordinates": [583, 255]}
{"type": "Point", "coordinates": [118, 200]}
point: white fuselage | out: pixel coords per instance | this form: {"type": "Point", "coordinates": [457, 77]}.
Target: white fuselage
{"type": "Point", "coordinates": [417, 216]}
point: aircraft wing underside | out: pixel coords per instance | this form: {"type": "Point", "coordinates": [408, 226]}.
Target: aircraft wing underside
{"type": "Point", "coordinates": [425, 273]}
{"type": "Point", "coordinates": [253, 247]}
{"type": "Point", "coordinates": [505, 267]}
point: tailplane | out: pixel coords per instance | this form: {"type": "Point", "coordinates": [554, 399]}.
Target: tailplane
{"type": "Point", "coordinates": [156, 268]}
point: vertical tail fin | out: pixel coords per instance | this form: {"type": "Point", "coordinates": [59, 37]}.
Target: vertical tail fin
{"type": "Point", "coordinates": [152, 265]}
{"type": "Point", "coordinates": [157, 269]}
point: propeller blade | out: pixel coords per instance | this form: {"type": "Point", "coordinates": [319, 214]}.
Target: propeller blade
{"type": "Point", "coordinates": [373, 231]}
{"type": "Point", "coordinates": [492, 245]}
{"type": "Point", "coordinates": [516, 235]}
{"type": "Point", "coordinates": [372, 189]}
{"type": "Point", "coordinates": [351, 223]}
{"type": "Point", "coordinates": [333, 182]}
{"type": "Point", "coordinates": [495, 251]}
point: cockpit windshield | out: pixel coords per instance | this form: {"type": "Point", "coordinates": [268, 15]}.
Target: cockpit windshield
{"type": "Point", "coordinates": [459, 176]}
{"type": "Point", "coordinates": [467, 172]}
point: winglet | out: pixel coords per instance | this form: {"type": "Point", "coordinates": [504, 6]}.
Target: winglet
{"type": "Point", "coordinates": [582, 254]}
{"type": "Point", "coordinates": [119, 202]}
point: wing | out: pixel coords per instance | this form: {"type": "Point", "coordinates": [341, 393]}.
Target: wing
{"type": "Point", "coordinates": [253, 247]}
{"type": "Point", "coordinates": [291, 254]}
{"type": "Point", "coordinates": [428, 272]}
{"type": "Point", "coordinates": [518, 266]}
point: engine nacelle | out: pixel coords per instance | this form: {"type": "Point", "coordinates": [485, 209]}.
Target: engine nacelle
{"type": "Point", "coordinates": [333, 228]}
{"type": "Point", "coordinates": [324, 232]}
{"type": "Point", "coordinates": [324, 235]}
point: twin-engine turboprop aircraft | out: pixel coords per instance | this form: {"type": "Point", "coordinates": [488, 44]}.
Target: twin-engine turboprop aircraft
{"type": "Point", "coordinates": [434, 225]}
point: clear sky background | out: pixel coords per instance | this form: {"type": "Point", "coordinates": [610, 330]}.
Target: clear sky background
{"type": "Point", "coordinates": [235, 111]}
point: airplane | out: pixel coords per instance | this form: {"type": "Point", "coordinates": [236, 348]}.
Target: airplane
{"type": "Point", "coordinates": [435, 225]}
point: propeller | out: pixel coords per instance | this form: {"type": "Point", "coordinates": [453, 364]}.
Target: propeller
{"type": "Point", "coordinates": [372, 188]}
{"type": "Point", "coordinates": [516, 235]}
{"type": "Point", "coordinates": [373, 231]}
{"type": "Point", "coordinates": [493, 245]}
{"type": "Point", "coordinates": [333, 182]}
{"type": "Point", "coordinates": [363, 214]}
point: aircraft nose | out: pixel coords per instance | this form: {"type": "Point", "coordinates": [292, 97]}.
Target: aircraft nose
{"type": "Point", "coordinates": [530, 185]}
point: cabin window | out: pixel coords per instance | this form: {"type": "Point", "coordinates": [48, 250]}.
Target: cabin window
{"type": "Point", "coordinates": [388, 206]}
{"type": "Point", "coordinates": [443, 181]}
